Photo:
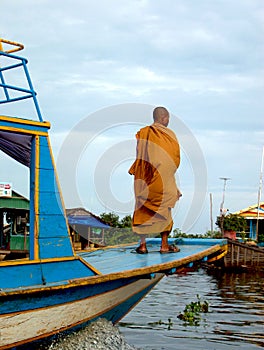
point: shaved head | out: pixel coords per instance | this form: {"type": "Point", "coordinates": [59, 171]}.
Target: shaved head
{"type": "Point", "coordinates": [161, 115]}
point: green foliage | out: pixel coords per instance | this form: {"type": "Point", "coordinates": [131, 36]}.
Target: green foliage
{"type": "Point", "coordinates": [213, 234]}
{"type": "Point", "coordinates": [191, 315]}
{"type": "Point", "coordinates": [110, 218]}
{"type": "Point", "coordinates": [261, 238]}
{"type": "Point", "coordinates": [117, 235]}
{"type": "Point", "coordinates": [192, 312]}
{"type": "Point", "coordinates": [243, 235]}
{"type": "Point", "coordinates": [126, 221]}
{"type": "Point", "coordinates": [113, 220]}
{"type": "Point", "coordinates": [232, 222]}
{"type": "Point", "coordinates": [120, 231]}
{"type": "Point", "coordinates": [169, 324]}
{"type": "Point", "coordinates": [178, 234]}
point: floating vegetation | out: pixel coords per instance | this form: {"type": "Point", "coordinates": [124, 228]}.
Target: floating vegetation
{"type": "Point", "coordinates": [160, 322]}
{"type": "Point", "coordinates": [192, 312]}
{"type": "Point", "coordinates": [191, 315]}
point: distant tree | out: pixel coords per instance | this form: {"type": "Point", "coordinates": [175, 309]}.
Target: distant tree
{"type": "Point", "coordinates": [120, 231]}
{"type": "Point", "coordinates": [111, 219]}
{"type": "Point", "coordinates": [126, 221]}
{"type": "Point", "coordinates": [214, 234]}
{"type": "Point", "coordinates": [176, 233]}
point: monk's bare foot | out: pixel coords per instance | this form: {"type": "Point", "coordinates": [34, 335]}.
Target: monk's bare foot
{"type": "Point", "coordinates": [169, 249]}
{"type": "Point", "coordinates": [142, 249]}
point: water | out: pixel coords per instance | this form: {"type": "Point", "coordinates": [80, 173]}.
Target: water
{"type": "Point", "coordinates": [235, 319]}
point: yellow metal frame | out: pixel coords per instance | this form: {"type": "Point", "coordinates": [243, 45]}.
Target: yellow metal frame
{"type": "Point", "coordinates": [17, 47]}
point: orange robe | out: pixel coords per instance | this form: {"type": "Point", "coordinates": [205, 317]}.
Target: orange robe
{"type": "Point", "coordinates": [156, 192]}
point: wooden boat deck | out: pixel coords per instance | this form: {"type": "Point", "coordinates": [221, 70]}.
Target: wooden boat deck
{"type": "Point", "coordinates": [124, 258]}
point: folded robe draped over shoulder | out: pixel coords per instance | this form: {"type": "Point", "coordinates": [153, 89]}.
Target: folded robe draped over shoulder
{"type": "Point", "coordinates": [156, 192]}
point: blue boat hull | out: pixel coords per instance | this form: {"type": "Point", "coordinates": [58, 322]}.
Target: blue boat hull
{"type": "Point", "coordinates": [41, 313]}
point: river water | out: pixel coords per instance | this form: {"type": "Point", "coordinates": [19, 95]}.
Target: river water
{"type": "Point", "coordinates": [235, 318]}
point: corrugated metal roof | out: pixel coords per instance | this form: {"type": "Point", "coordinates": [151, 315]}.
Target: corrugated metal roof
{"type": "Point", "coordinates": [86, 221]}
{"type": "Point", "coordinates": [81, 216]}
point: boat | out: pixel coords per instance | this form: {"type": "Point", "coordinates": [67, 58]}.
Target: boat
{"type": "Point", "coordinates": [54, 288]}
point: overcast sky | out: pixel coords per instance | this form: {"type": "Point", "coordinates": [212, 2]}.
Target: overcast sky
{"type": "Point", "coordinates": [100, 67]}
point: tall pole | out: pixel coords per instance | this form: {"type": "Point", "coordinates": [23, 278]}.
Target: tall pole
{"type": "Point", "coordinates": [259, 193]}
{"type": "Point", "coordinates": [225, 179]}
{"type": "Point", "coordinates": [211, 213]}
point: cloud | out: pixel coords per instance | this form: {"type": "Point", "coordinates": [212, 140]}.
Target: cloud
{"type": "Point", "coordinates": [201, 59]}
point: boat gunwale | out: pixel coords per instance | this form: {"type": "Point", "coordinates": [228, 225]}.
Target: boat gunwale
{"type": "Point", "coordinates": [101, 278]}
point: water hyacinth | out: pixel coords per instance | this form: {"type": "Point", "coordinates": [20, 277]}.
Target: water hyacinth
{"type": "Point", "coordinates": [192, 313]}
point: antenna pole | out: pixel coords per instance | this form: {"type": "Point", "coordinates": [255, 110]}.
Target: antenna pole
{"type": "Point", "coordinates": [259, 193]}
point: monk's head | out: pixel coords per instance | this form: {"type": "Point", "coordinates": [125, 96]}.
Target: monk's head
{"type": "Point", "coordinates": [161, 115]}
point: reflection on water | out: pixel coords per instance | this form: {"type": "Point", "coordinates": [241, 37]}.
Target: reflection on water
{"type": "Point", "coordinates": [235, 318]}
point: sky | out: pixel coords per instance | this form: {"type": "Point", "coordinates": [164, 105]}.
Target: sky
{"type": "Point", "coordinates": [100, 67]}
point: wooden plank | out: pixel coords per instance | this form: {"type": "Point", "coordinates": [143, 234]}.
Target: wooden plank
{"type": "Point", "coordinates": [241, 254]}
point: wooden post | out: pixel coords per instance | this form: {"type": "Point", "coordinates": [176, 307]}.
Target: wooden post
{"type": "Point", "coordinates": [1, 228]}
{"type": "Point", "coordinates": [89, 235]}
{"type": "Point", "coordinates": [232, 254]}
{"type": "Point", "coordinates": [238, 256]}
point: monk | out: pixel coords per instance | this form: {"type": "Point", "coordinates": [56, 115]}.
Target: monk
{"type": "Point", "coordinates": [156, 192]}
